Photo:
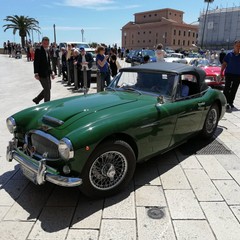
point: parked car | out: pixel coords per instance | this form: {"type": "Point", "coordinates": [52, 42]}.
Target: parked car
{"type": "Point", "coordinates": [128, 58]}
{"type": "Point", "coordinates": [212, 70]}
{"type": "Point", "coordinates": [176, 57]}
{"type": "Point", "coordinates": [94, 141]}
{"type": "Point", "coordinates": [138, 56]}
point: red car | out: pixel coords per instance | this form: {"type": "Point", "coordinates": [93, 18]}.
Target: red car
{"type": "Point", "coordinates": [212, 70]}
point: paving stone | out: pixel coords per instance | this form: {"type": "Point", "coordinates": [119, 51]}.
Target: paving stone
{"type": "Point", "coordinates": [202, 185]}
{"type": "Point", "coordinates": [88, 213]}
{"type": "Point", "coordinates": [229, 162]}
{"type": "Point", "coordinates": [7, 171]}
{"type": "Point", "coordinates": [190, 162]}
{"type": "Point", "coordinates": [236, 211]}
{"type": "Point", "coordinates": [15, 230]}
{"type": "Point", "coordinates": [236, 175]}
{"type": "Point", "coordinates": [147, 174]}
{"type": "Point", "coordinates": [120, 206]}
{"type": "Point", "coordinates": [213, 168]}
{"type": "Point", "coordinates": [62, 196]}
{"type": "Point", "coordinates": [169, 158]}
{"type": "Point", "coordinates": [3, 211]}
{"type": "Point", "coordinates": [118, 230]}
{"type": "Point", "coordinates": [154, 229]}
{"type": "Point", "coordinates": [53, 223]}
{"type": "Point", "coordinates": [183, 205]}
{"type": "Point", "coordinates": [150, 196]}
{"type": "Point", "coordinates": [82, 234]}
{"type": "Point", "coordinates": [193, 229]}
{"type": "Point", "coordinates": [222, 221]}
{"type": "Point", "coordinates": [230, 190]}
{"type": "Point", "coordinates": [174, 178]}
{"type": "Point", "coordinates": [30, 203]}
{"type": "Point", "coordinates": [12, 191]}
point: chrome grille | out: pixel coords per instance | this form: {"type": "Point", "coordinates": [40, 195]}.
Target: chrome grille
{"type": "Point", "coordinates": [44, 145]}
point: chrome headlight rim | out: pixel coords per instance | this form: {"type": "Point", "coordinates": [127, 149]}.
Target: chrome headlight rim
{"type": "Point", "coordinates": [65, 149]}
{"type": "Point", "coordinates": [11, 124]}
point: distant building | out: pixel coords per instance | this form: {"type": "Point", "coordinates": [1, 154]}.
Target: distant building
{"type": "Point", "coordinates": [164, 26]}
{"type": "Point", "coordinates": [221, 28]}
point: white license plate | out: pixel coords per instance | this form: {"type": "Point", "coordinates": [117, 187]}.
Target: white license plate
{"type": "Point", "coordinates": [29, 174]}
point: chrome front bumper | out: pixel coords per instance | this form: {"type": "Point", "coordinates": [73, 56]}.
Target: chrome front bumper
{"type": "Point", "coordinates": [38, 172]}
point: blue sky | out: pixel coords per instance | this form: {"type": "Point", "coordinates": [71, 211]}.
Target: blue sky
{"type": "Point", "coordinates": [101, 20]}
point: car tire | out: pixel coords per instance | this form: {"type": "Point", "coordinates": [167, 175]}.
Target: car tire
{"type": "Point", "coordinates": [108, 170]}
{"type": "Point", "coordinates": [211, 122]}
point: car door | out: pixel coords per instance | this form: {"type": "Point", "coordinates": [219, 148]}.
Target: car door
{"type": "Point", "coordinates": [189, 110]}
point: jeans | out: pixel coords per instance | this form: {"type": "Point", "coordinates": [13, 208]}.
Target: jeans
{"type": "Point", "coordinates": [45, 93]}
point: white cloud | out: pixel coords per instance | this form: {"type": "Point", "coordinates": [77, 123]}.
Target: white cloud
{"type": "Point", "coordinates": [88, 3]}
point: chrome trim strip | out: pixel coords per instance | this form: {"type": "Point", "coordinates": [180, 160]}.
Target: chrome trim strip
{"type": "Point", "coordinates": [48, 120]}
{"type": "Point", "coordinates": [43, 175]}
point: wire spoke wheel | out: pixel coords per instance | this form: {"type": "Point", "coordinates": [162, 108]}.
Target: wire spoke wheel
{"type": "Point", "coordinates": [212, 120]}
{"type": "Point", "coordinates": [108, 170]}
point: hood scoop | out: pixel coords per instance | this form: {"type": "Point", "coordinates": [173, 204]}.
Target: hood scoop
{"type": "Point", "coordinates": [51, 121]}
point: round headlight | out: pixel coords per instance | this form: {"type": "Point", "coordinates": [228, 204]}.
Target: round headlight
{"type": "Point", "coordinates": [65, 149]}
{"type": "Point", "coordinates": [11, 124]}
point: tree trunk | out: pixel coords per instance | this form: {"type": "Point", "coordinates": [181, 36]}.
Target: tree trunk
{"type": "Point", "coordinates": [23, 41]}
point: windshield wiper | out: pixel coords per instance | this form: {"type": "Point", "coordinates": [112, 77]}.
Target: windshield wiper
{"type": "Point", "coordinates": [130, 89]}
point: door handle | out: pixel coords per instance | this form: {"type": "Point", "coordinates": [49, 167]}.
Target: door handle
{"type": "Point", "coordinates": [201, 104]}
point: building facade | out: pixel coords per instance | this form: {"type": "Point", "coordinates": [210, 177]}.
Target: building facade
{"type": "Point", "coordinates": [219, 28]}
{"type": "Point", "coordinates": [164, 26]}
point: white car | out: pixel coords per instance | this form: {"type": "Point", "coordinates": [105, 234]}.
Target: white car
{"type": "Point", "coordinates": [176, 57]}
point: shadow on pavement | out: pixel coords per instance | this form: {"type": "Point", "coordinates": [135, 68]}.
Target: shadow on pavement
{"type": "Point", "coordinates": [56, 208]}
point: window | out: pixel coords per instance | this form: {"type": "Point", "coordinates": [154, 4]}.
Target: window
{"type": "Point", "coordinates": [184, 33]}
{"type": "Point", "coordinates": [179, 42]}
{"type": "Point", "coordinates": [174, 32]}
{"type": "Point", "coordinates": [179, 33]}
{"type": "Point", "coordinates": [174, 41]}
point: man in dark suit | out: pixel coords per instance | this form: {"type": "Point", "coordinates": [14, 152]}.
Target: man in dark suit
{"type": "Point", "coordinates": [85, 61]}
{"type": "Point", "coordinates": [43, 71]}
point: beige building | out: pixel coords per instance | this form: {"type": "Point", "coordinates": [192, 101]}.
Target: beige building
{"type": "Point", "coordinates": [164, 26]}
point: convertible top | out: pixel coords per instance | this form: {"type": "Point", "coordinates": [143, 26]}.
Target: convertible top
{"type": "Point", "coordinates": [168, 67]}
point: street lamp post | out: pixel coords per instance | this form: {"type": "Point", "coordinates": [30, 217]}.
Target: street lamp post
{"type": "Point", "coordinates": [205, 19]}
{"type": "Point", "coordinates": [82, 31]}
{"type": "Point", "coordinates": [54, 31]}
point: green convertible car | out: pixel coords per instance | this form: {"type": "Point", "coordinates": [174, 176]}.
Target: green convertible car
{"type": "Point", "coordinates": [94, 141]}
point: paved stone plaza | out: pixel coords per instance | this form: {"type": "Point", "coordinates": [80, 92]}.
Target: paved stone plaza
{"type": "Point", "coordinates": [173, 196]}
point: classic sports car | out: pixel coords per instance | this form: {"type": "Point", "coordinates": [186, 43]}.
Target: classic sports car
{"type": "Point", "coordinates": [94, 141]}
{"type": "Point", "coordinates": [212, 70]}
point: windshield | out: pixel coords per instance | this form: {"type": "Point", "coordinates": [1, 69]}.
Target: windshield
{"type": "Point", "coordinates": [146, 83]}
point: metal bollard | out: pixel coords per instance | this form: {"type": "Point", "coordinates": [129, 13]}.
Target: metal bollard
{"type": "Point", "coordinates": [75, 76]}
{"type": "Point", "coordinates": [85, 79]}
{"type": "Point", "coordinates": [68, 73]}
{"type": "Point", "coordinates": [99, 82]}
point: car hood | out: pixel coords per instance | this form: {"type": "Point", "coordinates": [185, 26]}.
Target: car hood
{"type": "Point", "coordinates": [212, 70]}
{"type": "Point", "coordinates": [65, 111]}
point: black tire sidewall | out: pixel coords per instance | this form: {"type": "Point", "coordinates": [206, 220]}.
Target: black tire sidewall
{"type": "Point", "coordinates": [120, 146]}
{"type": "Point", "coordinates": [205, 133]}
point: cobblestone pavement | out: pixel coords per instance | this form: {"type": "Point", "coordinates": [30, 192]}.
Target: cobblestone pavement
{"type": "Point", "coordinates": [173, 196]}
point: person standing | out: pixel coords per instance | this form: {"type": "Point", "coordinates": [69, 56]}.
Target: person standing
{"type": "Point", "coordinates": [102, 64]}
{"type": "Point", "coordinates": [160, 53]}
{"type": "Point", "coordinates": [114, 65]}
{"type": "Point", "coordinates": [231, 66]}
{"type": "Point", "coordinates": [85, 60]}
{"type": "Point", "coordinates": [222, 54]}
{"type": "Point", "coordinates": [43, 71]}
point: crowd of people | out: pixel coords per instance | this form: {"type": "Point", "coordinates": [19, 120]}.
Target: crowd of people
{"type": "Point", "coordinates": [72, 63]}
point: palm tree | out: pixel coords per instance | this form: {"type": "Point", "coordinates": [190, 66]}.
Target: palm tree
{"type": "Point", "coordinates": [23, 25]}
